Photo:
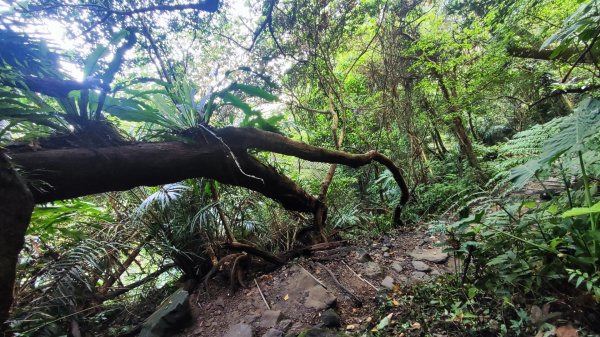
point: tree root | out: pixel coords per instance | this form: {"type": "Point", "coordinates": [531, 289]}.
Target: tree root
{"type": "Point", "coordinates": [239, 264]}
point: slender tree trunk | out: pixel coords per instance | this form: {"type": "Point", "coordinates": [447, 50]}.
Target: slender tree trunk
{"type": "Point", "coordinates": [16, 205]}
{"type": "Point", "coordinates": [466, 146]}
{"type": "Point", "coordinates": [471, 125]}
{"type": "Point", "coordinates": [124, 266]}
{"type": "Point", "coordinates": [338, 139]}
{"type": "Point", "coordinates": [465, 143]}
{"type": "Point", "coordinates": [222, 215]}
{"type": "Point", "coordinates": [439, 141]}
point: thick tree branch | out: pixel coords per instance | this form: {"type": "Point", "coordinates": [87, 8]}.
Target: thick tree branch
{"type": "Point", "coordinates": [545, 54]}
{"type": "Point", "coordinates": [206, 6]}
{"type": "Point", "coordinates": [73, 172]}
{"type": "Point", "coordinates": [16, 205]}
{"type": "Point", "coordinates": [560, 92]}
{"type": "Point", "coordinates": [248, 138]}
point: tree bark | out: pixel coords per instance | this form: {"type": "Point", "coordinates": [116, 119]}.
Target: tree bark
{"type": "Point", "coordinates": [73, 172]}
{"type": "Point", "coordinates": [16, 205]}
{"type": "Point", "coordinates": [56, 174]}
{"type": "Point", "coordinates": [464, 142]}
{"type": "Point", "coordinates": [545, 54]}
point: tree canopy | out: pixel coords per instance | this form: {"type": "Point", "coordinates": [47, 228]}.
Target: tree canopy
{"type": "Point", "coordinates": [151, 140]}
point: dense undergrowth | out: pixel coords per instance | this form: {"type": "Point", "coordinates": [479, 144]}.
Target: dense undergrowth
{"type": "Point", "coordinates": [490, 109]}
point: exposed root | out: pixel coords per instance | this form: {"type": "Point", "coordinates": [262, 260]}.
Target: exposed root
{"type": "Point", "coordinates": [237, 264]}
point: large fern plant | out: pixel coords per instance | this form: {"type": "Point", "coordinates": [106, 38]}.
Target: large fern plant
{"type": "Point", "coordinates": [574, 137]}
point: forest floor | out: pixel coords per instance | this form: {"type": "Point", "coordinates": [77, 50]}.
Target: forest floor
{"type": "Point", "coordinates": [300, 294]}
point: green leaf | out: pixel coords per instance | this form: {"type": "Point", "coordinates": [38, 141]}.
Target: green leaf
{"type": "Point", "coordinates": [573, 132]}
{"type": "Point", "coordinates": [520, 175]}
{"type": "Point", "coordinates": [238, 103]}
{"type": "Point", "coordinates": [472, 292]}
{"type": "Point", "coordinates": [582, 210]}
{"type": "Point", "coordinates": [91, 62]}
{"type": "Point", "coordinates": [254, 91]}
{"type": "Point", "coordinates": [384, 322]}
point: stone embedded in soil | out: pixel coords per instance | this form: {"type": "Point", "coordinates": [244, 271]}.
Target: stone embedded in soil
{"type": "Point", "coordinates": [250, 318]}
{"type": "Point", "coordinates": [284, 325]}
{"type": "Point", "coordinates": [240, 330]}
{"type": "Point", "coordinates": [388, 282]}
{"type": "Point", "coordinates": [270, 318]}
{"type": "Point", "coordinates": [371, 269]}
{"type": "Point", "coordinates": [431, 255]}
{"type": "Point", "coordinates": [273, 333]}
{"type": "Point", "coordinates": [385, 249]}
{"type": "Point", "coordinates": [319, 298]}
{"type": "Point", "coordinates": [362, 255]}
{"type": "Point", "coordinates": [220, 302]}
{"type": "Point", "coordinates": [386, 254]}
{"type": "Point", "coordinates": [397, 267]}
{"type": "Point", "coordinates": [331, 319]}
{"type": "Point", "coordinates": [421, 266]}
{"type": "Point", "coordinates": [417, 275]}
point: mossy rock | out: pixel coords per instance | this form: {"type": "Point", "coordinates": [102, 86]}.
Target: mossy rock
{"type": "Point", "coordinates": [172, 314]}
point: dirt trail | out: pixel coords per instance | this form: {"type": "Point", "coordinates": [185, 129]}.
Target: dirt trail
{"type": "Point", "coordinates": [299, 294]}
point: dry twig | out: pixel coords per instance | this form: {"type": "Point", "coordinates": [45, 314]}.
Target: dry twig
{"type": "Point", "coordinates": [261, 295]}
{"type": "Point", "coordinates": [357, 301]}
{"type": "Point", "coordinates": [362, 279]}
{"type": "Point", "coordinates": [313, 276]}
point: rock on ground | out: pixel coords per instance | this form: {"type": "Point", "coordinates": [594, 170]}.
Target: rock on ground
{"type": "Point", "coordinates": [270, 318]}
{"type": "Point", "coordinates": [388, 282]}
{"type": "Point", "coordinates": [240, 330]}
{"type": "Point", "coordinates": [431, 255]}
{"type": "Point", "coordinates": [284, 325]}
{"type": "Point", "coordinates": [421, 266]}
{"type": "Point", "coordinates": [331, 319]}
{"type": "Point", "coordinates": [417, 275]}
{"type": "Point", "coordinates": [273, 333]}
{"type": "Point", "coordinates": [319, 298]}
{"type": "Point", "coordinates": [371, 269]}
{"type": "Point", "coordinates": [318, 332]}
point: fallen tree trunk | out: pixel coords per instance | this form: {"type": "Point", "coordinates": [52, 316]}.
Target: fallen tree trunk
{"type": "Point", "coordinates": [55, 174]}
{"type": "Point", "coordinates": [73, 172]}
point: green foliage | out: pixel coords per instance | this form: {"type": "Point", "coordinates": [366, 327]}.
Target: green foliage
{"type": "Point", "coordinates": [581, 26]}
{"type": "Point", "coordinates": [573, 132]}
{"type": "Point", "coordinates": [397, 75]}
{"type": "Point", "coordinates": [442, 306]}
{"type": "Point", "coordinates": [525, 145]}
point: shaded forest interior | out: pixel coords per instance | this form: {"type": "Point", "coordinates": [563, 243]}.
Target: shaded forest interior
{"type": "Point", "coordinates": [147, 147]}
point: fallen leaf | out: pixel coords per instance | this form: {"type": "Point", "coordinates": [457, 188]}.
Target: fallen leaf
{"type": "Point", "coordinates": [384, 322]}
{"type": "Point", "coordinates": [286, 297]}
{"type": "Point", "coordinates": [566, 331]}
{"type": "Point", "coordinates": [416, 326]}
{"type": "Point", "coordinates": [395, 303]}
{"type": "Point", "coordinates": [350, 327]}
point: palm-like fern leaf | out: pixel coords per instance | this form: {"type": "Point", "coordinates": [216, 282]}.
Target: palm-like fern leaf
{"type": "Point", "coordinates": [572, 136]}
